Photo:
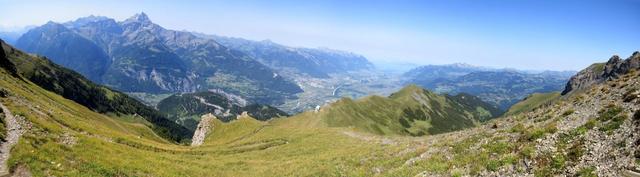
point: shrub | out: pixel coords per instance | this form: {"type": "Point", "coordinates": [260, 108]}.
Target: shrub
{"type": "Point", "coordinates": [527, 151]}
{"type": "Point", "coordinates": [614, 123]}
{"type": "Point", "coordinates": [558, 161]}
{"type": "Point", "coordinates": [518, 128]}
{"type": "Point", "coordinates": [587, 172]}
{"type": "Point", "coordinates": [551, 128]}
{"type": "Point", "coordinates": [535, 134]}
{"type": "Point", "coordinates": [575, 151]}
{"type": "Point", "coordinates": [568, 112]}
{"type": "Point", "coordinates": [630, 95]}
{"type": "Point", "coordinates": [498, 147]}
{"type": "Point", "coordinates": [609, 112]}
{"type": "Point", "coordinates": [590, 124]}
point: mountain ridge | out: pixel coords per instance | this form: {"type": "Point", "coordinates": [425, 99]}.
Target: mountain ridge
{"type": "Point", "coordinates": [501, 87]}
{"type": "Point", "coordinates": [409, 111]}
{"type": "Point", "coordinates": [148, 58]}
{"type": "Point", "coordinates": [600, 72]}
{"type": "Point", "coordinates": [73, 86]}
{"type": "Point", "coordinates": [318, 62]}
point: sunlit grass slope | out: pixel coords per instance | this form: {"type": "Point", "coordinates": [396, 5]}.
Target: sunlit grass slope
{"type": "Point", "coordinates": [533, 101]}
{"type": "Point", "coordinates": [73, 86]}
{"type": "Point", "coordinates": [410, 111]}
{"type": "Point", "coordinates": [67, 139]}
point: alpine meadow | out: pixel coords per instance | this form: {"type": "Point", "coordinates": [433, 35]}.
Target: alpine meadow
{"type": "Point", "coordinates": [319, 88]}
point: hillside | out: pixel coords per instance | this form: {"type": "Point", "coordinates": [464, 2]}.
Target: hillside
{"type": "Point", "coordinates": [532, 101]}
{"type": "Point", "coordinates": [137, 55]}
{"type": "Point", "coordinates": [187, 108]}
{"type": "Point", "coordinates": [595, 132]}
{"type": "Point", "coordinates": [410, 111]}
{"type": "Point", "coordinates": [73, 86]}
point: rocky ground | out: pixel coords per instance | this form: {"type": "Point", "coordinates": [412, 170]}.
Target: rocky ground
{"type": "Point", "coordinates": [592, 132]}
{"type": "Point", "coordinates": [16, 126]}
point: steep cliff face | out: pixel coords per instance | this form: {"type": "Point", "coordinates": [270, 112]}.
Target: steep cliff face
{"type": "Point", "coordinates": [600, 72]}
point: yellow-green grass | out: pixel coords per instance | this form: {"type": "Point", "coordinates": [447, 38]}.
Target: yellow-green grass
{"type": "Point", "coordinates": [302, 145]}
{"type": "Point", "coordinates": [121, 145]}
{"type": "Point", "coordinates": [531, 102]}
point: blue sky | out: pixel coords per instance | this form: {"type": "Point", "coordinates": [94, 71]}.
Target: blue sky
{"type": "Point", "coordinates": [554, 34]}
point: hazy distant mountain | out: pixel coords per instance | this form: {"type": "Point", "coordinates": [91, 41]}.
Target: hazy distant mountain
{"type": "Point", "coordinates": [429, 73]}
{"type": "Point", "coordinates": [501, 87]}
{"type": "Point", "coordinates": [66, 48]}
{"type": "Point", "coordinates": [313, 62]}
{"type": "Point", "coordinates": [136, 55]}
{"type": "Point", "coordinates": [11, 35]}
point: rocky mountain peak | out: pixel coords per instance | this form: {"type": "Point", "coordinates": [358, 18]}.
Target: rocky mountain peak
{"type": "Point", "coordinates": [139, 18]}
{"type": "Point", "coordinates": [614, 59]}
{"type": "Point", "coordinates": [82, 21]}
{"type": "Point", "coordinates": [51, 27]}
{"type": "Point", "coordinates": [600, 72]}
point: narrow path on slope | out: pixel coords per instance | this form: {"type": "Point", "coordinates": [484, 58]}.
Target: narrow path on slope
{"type": "Point", "coordinates": [15, 129]}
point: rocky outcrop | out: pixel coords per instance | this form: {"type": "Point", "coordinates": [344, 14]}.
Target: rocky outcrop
{"type": "Point", "coordinates": [204, 127]}
{"type": "Point", "coordinates": [600, 72]}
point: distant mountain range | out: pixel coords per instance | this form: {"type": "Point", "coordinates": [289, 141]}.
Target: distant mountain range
{"type": "Point", "coordinates": [136, 55]}
{"type": "Point", "coordinates": [312, 62]}
{"type": "Point", "coordinates": [11, 35]}
{"type": "Point", "coordinates": [501, 87]}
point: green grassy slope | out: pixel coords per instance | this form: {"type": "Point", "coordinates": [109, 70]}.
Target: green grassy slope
{"type": "Point", "coordinates": [410, 111]}
{"type": "Point", "coordinates": [532, 101]}
{"type": "Point", "coordinates": [74, 86]}
{"type": "Point", "coordinates": [69, 139]}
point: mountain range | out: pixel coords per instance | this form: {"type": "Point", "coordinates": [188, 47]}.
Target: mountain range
{"type": "Point", "coordinates": [58, 123]}
{"type": "Point", "coordinates": [311, 62]}
{"type": "Point", "coordinates": [73, 86]}
{"type": "Point", "coordinates": [501, 87]}
{"type": "Point", "coordinates": [136, 55]}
